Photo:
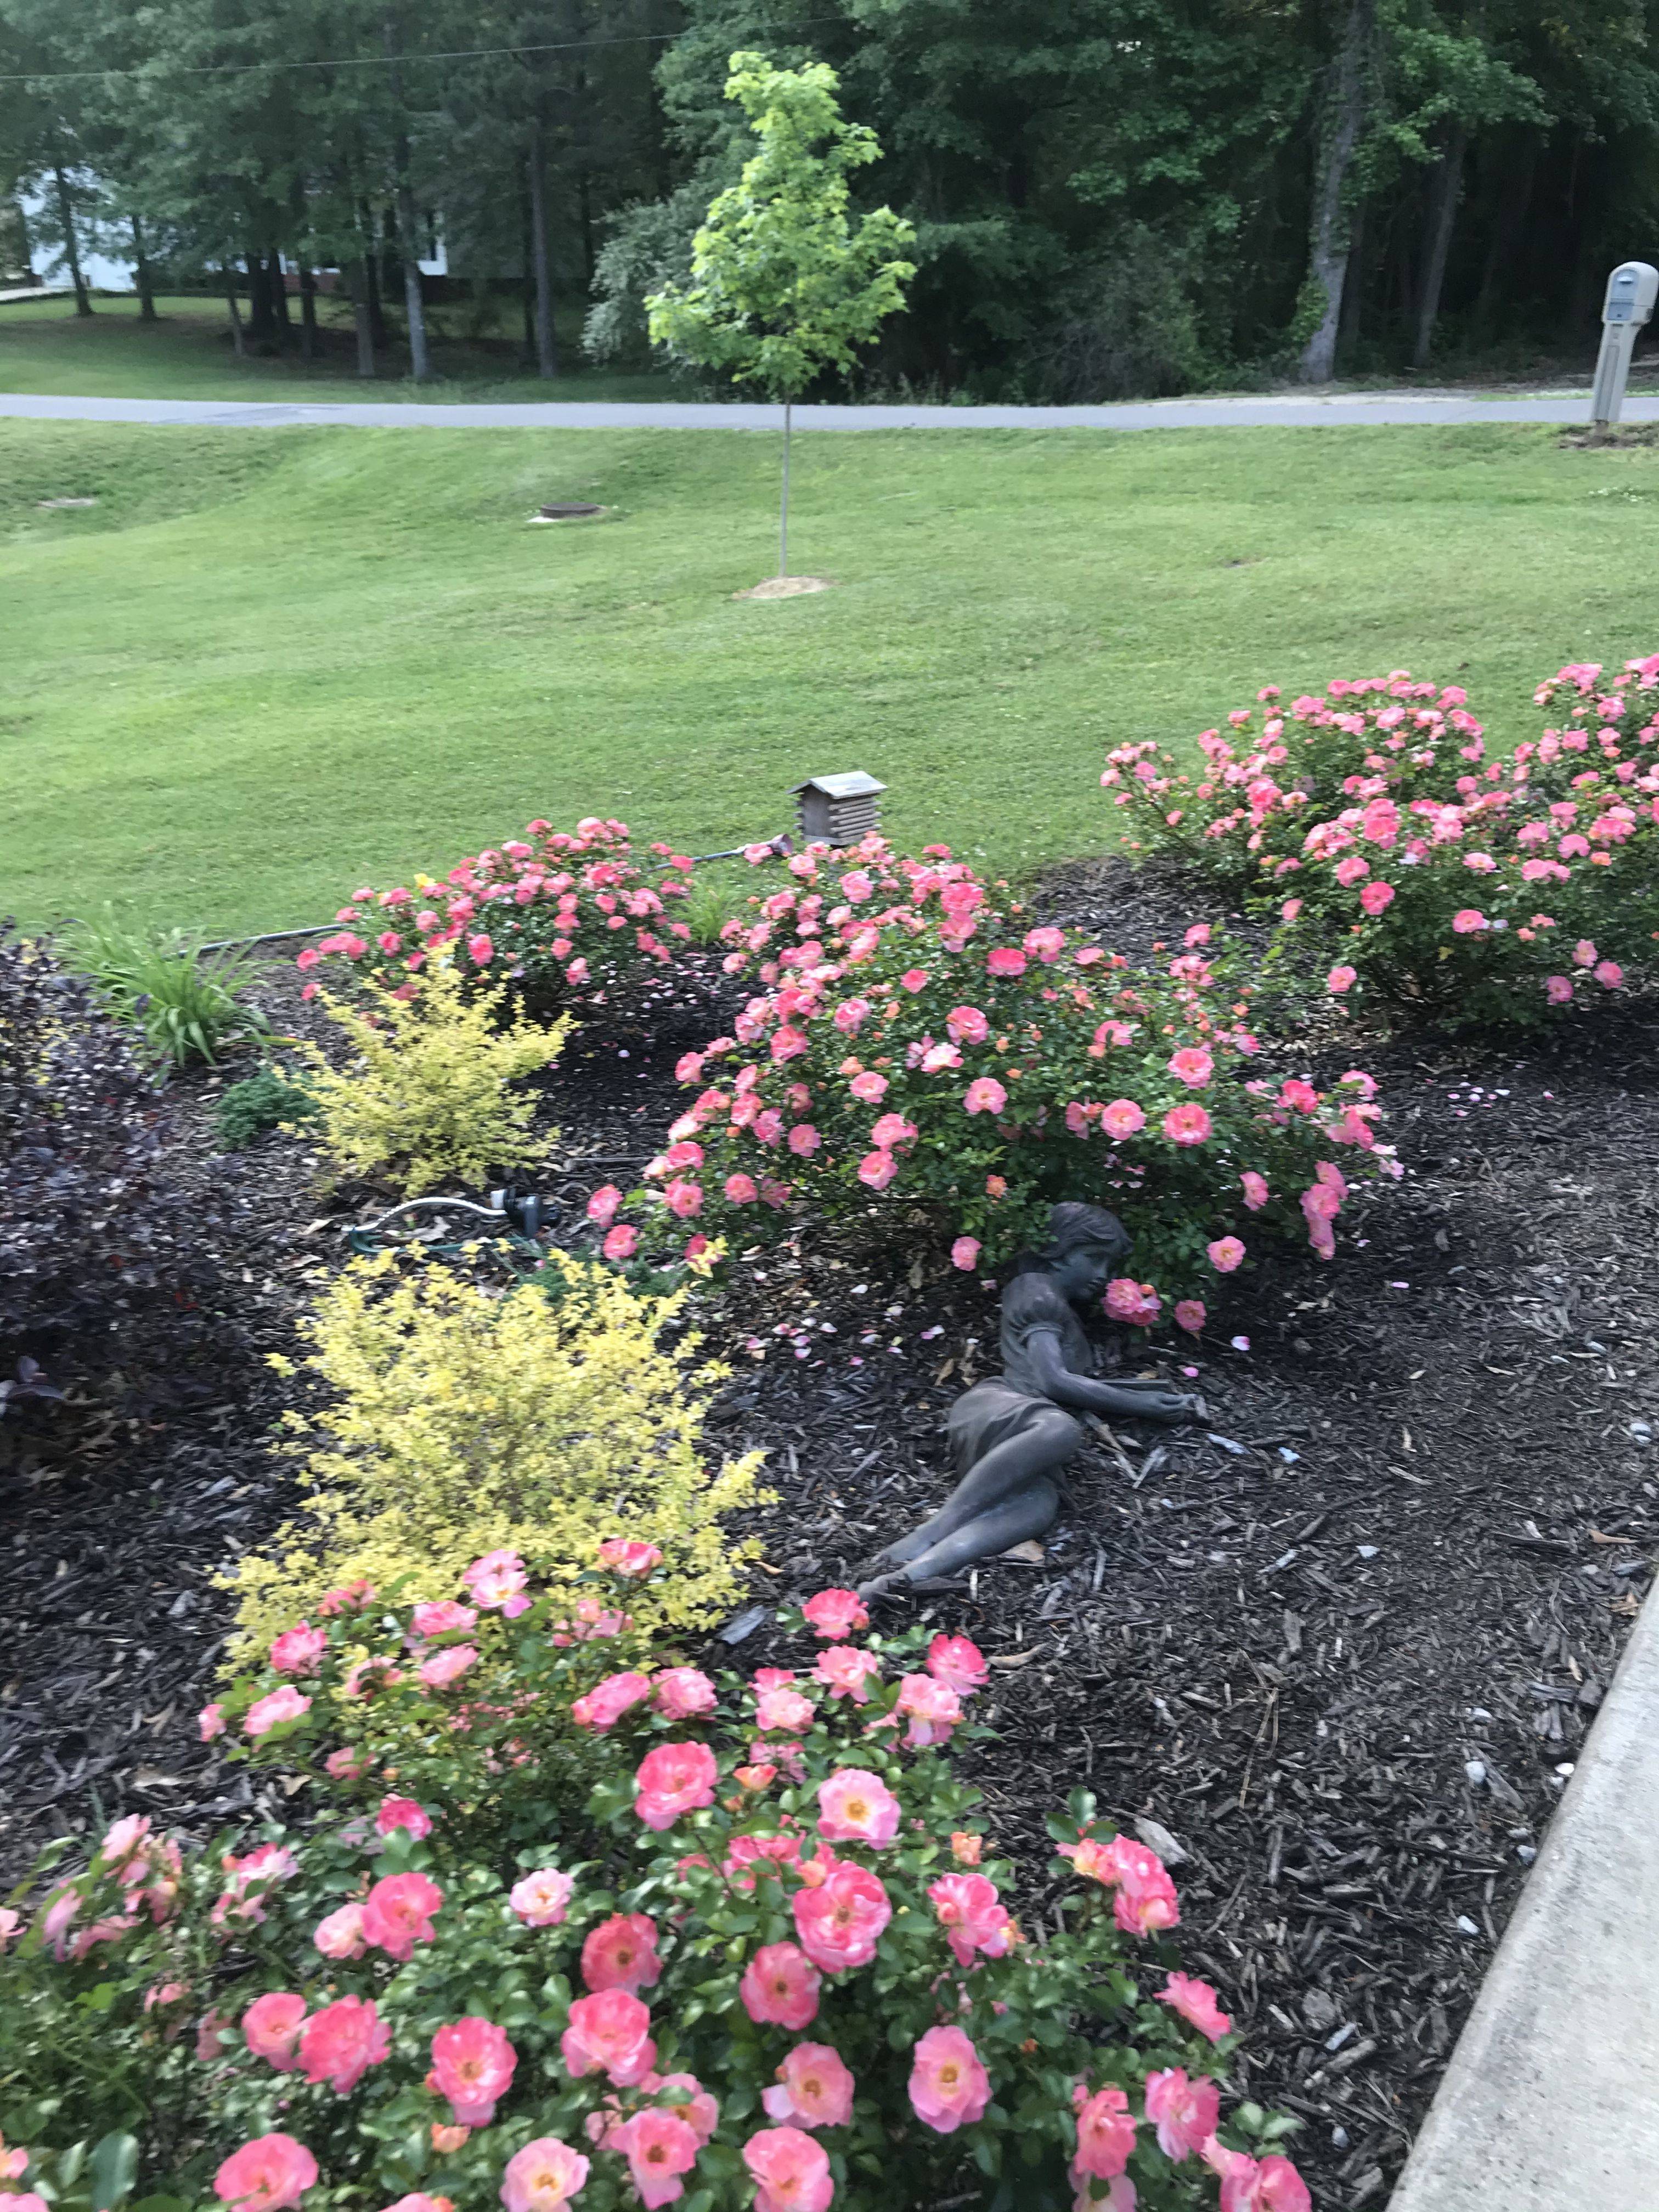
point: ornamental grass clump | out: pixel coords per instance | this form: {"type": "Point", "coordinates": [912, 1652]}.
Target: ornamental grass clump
{"type": "Point", "coordinates": [427, 1097]}
{"type": "Point", "coordinates": [567, 914]}
{"type": "Point", "coordinates": [1400, 857]}
{"type": "Point", "coordinates": [917, 1043]}
{"type": "Point", "coordinates": [775, 1959]}
{"type": "Point", "coordinates": [461, 1421]}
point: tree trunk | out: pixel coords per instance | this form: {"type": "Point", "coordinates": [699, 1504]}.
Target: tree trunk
{"type": "Point", "coordinates": [71, 247]}
{"type": "Point", "coordinates": [261, 310]}
{"type": "Point", "coordinates": [527, 281]}
{"type": "Point", "coordinates": [547, 352]}
{"type": "Point", "coordinates": [282, 321]}
{"type": "Point", "coordinates": [309, 346]}
{"type": "Point", "coordinates": [1328, 254]}
{"type": "Point", "coordinates": [363, 318]}
{"type": "Point", "coordinates": [1514, 206]}
{"type": "Point", "coordinates": [1353, 287]}
{"type": "Point", "coordinates": [141, 275]}
{"type": "Point", "coordinates": [1437, 242]}
{"type": "Point", "coordinates": [408, 243]}
{"type": "Point", "coordinates": [238, 344]}
{"type": "Point", "coordinates": [371, 276]}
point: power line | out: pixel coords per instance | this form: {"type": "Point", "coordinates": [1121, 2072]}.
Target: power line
{"type": "Point", "coordinates": [375, 61]}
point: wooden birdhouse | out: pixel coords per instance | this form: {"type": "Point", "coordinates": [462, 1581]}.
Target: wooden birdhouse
{"type": "Point", "coordinates": [838, 810]}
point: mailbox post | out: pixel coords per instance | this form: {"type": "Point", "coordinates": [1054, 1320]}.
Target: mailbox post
{"type": "Point", "coordinates": [1631, 290]}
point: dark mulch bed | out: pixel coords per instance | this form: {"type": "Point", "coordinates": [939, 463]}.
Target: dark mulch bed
{"type": "Point", "coordinates": [1343, 1648]}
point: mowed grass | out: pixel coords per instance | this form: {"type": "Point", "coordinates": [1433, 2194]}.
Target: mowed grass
{"type": "Point", "coordinates": [186, 354]}
{"type": "Point", "coordinates": [272, 666]}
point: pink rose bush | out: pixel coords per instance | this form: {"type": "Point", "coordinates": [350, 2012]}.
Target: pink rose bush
{"type": "Point", "coordinates": [751, 1945]}
{"type": "Point", "coordinates": [1375, 822]}
{"type": "Point", "coordinates": [944, 1054]}
{"type": "Point", "coordinates": [573, 913]}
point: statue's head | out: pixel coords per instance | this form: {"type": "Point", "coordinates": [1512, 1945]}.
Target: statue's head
{"type": "Point", "coordinates": [1086, 1247]}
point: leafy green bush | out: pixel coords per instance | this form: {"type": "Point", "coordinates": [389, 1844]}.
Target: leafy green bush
{"type": "Point", "coordinates": [262, 1103]}
{"type": "Point", "coordinates": [184, 1004]}
{"type": "Point", "coordinates": [464, 1422]}
{"type": "Point", "coordinates": [777, 1946]}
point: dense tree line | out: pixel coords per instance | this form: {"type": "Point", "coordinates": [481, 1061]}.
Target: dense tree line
{"type": "Point", "coordinates": [1109, 196]}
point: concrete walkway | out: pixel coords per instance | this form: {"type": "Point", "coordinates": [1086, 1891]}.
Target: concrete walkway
{"type": "Point", "coordinates": [1288, 410]}
{"type": "Point", "coordinates": [1551, 2103]}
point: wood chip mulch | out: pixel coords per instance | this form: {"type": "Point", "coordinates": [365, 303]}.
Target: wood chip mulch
{"type": "Point", "coordinates": [1340, 1649]}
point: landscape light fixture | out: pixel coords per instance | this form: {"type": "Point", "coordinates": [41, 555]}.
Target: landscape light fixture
{"type": "Point", "coordinates": [1631, 290]}
{"type": "Point", "coordinates": [838, 810]}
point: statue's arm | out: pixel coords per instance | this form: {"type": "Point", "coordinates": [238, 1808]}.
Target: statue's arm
{"type": "Point", "coordinates": [1083, 1393]}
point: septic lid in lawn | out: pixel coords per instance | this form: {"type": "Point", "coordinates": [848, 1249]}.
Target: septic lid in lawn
{"type": "Point", "coordinates": [566, 510]}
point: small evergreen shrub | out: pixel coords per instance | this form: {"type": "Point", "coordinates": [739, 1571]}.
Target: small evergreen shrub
{"type": "Point", "coordinates": [267, 1101]}
{"type": "Point", "coordinates": [426, 1099]}
{"type": "Point", "coordinates": [460, 1421]}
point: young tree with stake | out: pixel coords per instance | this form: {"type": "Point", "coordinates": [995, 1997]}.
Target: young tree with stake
{"type": "Point", "coordinates": [783, 283]}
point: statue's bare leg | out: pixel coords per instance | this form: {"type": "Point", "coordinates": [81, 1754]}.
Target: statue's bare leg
{"type": "Point", "coordinates": [1008, 1485]}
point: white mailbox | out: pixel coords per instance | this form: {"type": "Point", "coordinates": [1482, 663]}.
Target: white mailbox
{"type": "Point", "coordinates": [1631, 290]}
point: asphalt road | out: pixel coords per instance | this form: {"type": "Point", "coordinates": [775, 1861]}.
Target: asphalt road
{"type": "Point", "coordinates": [1289, 410]}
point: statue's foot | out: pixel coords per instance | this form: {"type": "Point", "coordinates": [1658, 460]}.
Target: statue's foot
{"type": "Point", "coordinates": [881, 1586]}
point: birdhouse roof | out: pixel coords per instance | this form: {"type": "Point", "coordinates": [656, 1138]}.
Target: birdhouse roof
{"type": "Point", "coordinates": [854, 785]}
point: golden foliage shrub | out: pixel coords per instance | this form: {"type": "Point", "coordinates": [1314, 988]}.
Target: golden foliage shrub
{"type": "Point", "coordinates": [462, 1420]}
{"type": "Point", "coordinates": [426, 1096]}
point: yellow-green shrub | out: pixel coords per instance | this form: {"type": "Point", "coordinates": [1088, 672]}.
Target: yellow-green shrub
{"type": "Point", "coordinates": [426, 1096]}
{"type": "Point", "coordinates": [463, 1420]}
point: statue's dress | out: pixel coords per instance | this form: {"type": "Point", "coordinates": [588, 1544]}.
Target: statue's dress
{"type": "Point", "coordinates": [1009, 1404]}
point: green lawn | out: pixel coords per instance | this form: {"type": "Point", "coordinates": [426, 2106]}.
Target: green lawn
{"type": "Point", "coordinates": [271, 665]}
{"type": "Point", "coordinates": [45, 346]}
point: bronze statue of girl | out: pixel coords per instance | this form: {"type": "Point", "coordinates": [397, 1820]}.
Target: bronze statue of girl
{"type": "Point", "coordinates": [1011, 1434]}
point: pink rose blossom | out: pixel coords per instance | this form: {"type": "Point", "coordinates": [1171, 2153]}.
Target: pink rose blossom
{"type": "Point", "coordinates": [441, 1617]}
{"type": "Point", "coordinates": [342, 2042]}
{"type": "Point", "coordinates": [446, 1665]}
{"type": "Point", "coordinates": [967, 1025]}
{"type": "Point", "coordinates": [1105, 2134]}
{"type": "Point", "coordinates": [877, 1170]}
{"type": "Point", "coordinates": [1272, 2185]}
{"type": "Point", "coordinates": [814, 2087]}
{"type": "Point", "coordinates": [856, 1806]}
{"type": "Point", "coordinates": [847, 1671]}
{"type": "Point", "coordinates": [1584, 954]}
{"type": "Point", "coordinates": [1122, 1118]}
{"type": "Point", "coordinates": [965, 1253]}
{"type": "Point", "coordinates": [1256, 1192]}
{"type": "Point", "coordinates": [783, 1708]}
{"type": "Point", "coordinates": [266, 2174]}
{"type": "Point", "coordinates": [1185, 2113]}
{"type": "Point", "coordinates": [497, 1583]}
{"type": "Point", "coordinates": [959, 1662]}
{"type": "Point", "coordinates": [1186, 1125]}
{"type": "Point", "coordinates": [804, 1139]}
{"type": "Point", "coordinates": [740, 1189]}
{"type": "Point", "coordinates": [402, 1813]}
{"type": "Point", "coordinates": [543, 2177]}
{"type": "Point", "coordinates": [272, 2024]}
{"type": "Point", "coordinates": [973, 1916]}
{"type": "Point", "coordinates": [269, 1712]}
{"type": "Point", "coordinates": [1341, 979]}
{"type": "Point", "coordinates": [869, 1086]}
{"type": "Point", "coordinates": [608, 2032]}
{"type": "Point", "coordinates": [834, 1614]}
{"type": "Point", "coordinates": [914, 979]}
{"type": "Point", "coordinates": [985, 1095]}
{"type": "Point", "coordinates": [542, 1898]}
{"type": "Point", "coordinates": [622, 1243]}
{"type": "Point", "coordinates": [674, 1778]}
{"type": "Point", "coordinates": [931, 1707]}
{"type": "Point", "coordinates": [480, 950]}
{"type": "Point", "coordinates": [891, 1131]}
{"type": "Point", "coordinates": [1193, 1065]}
{"type": "Point", "coordinates": [606, 1704]}
{"type": "Point", "coordinates": [1196, 2003]}
{"type": "Point", "coordinates": [602, 1206]}
{"type": "Point", "coordinates": [792, 2173]}
{"type": "Point", "coordinates": [680, 1694]}
{"type": "Point", "coordinates": [398, 1913]}
{"type": "Point", "coordinates": [1004, 960]}
{"type": "Point", "coordinates": [780, 1985]}
{"type": "Point", "coordinates": [1226, 1253]}
{"type": "Point", "coordinates": [297, 1650]}
{"type": "Point", "coordinates": [1127, 1300]}
{"type": "Point", "coordinates": [1608, 973]}
{"type": "Point", "coordinates": [340, 1934]}
{"type": "Point", "coordinates": [683, 1198]}
{"type": "Point", "coordinates": [840, 1923]}
{"type": "Point", "coordinates": [627, 1555]}
{"type": "Point", "coordinates": [620, 1954]}
{"type": "Point", "coordinates": [1376, 897]}
{"type": "Point", "coordinates": [474, 2064]}
{"type": "Point", "coordinates": [1468, 921]}
{"type": "Point", "coordinates": [659, 2145]}
{"type": "Point", "coordinates": [948, 2087]}
{"type": "Point", "coordinates": [211, 1721]}
{"type": "Point", "coordinates": [1557, 989]}
{"type": "Point", "coordinates": [1191, 1315]}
